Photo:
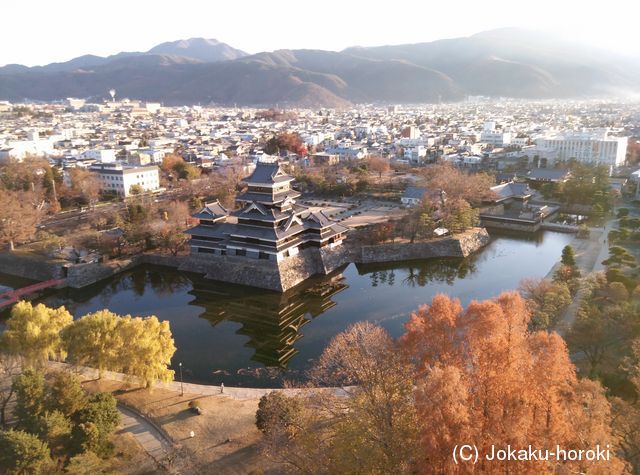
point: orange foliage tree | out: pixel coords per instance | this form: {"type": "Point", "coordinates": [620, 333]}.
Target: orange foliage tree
{"type": "Point", "coordinates": [484, 379]}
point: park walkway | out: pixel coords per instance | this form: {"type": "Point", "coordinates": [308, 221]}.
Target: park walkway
{"type": "Point", "coordinates": [152, 440]}
{"type": "Point", "coordinates": [589, 254]}
{"type": "Point", "coordinates": [197, 389]}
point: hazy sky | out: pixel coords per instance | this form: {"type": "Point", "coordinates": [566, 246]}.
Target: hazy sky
{"type": "Point", "coordinates": [39, 32]}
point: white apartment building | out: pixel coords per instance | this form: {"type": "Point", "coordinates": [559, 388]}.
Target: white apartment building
{"type": "Point", "coordinates": [594, 146]}
{"type": "Point", "coordinates": [151, 155]}
{"type": "Point", "coordinates": [362, 130]}
{"type": "Point", "coordinates": [493, 136]}
{"type": "Point", "coordinates": [119, 178]}
{"type": "Point", "coordinates": [415, 154]}
{"type": "Point", "coordinates": [314, 139]}
{"type": "Point", "coordinates": [74, 103]}
{"type": "Point", "coordinates": [521, 141]}
{"type": "Point", "coordinates": [20, 149]}
{"type": "Point", "coordinates": [104, 155]}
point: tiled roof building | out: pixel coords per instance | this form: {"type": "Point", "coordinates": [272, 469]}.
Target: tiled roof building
{"type": "Point", "coordinates": [269, 225]}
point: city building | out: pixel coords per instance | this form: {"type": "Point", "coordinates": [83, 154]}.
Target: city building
{"type": "Point", "coordinates": [20, 149]}
{"type": "Point", "coordinates": [120, 178]}
{"type": "Point", "coordinates": [493, 136]}
{"type": "Point", "coordinates": [589, 146]}
{"type": "Point", "coordinates": [324, 159]}
{"type": "Point", "coordinates": [411, 132]}
{"type": "Point", "coordinates": [415, 154]}
{"type": "Point", "coordinates": [101, 155]}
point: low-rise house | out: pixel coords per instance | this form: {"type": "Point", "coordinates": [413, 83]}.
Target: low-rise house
{"type": "Point", "coordinates": [324, 159]}
{"type": "Point", "coordinates": [548, 175]}
{"type": "Point", "coordinates": [413, 196]}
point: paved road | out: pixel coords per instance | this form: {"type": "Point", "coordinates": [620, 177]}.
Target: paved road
{"type": "Point", "coordinates": [589, 256]}
{"type": "Point", "coordinates": [151, 439]}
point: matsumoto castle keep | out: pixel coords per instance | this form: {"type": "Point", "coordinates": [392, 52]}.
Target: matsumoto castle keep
{"type": "Point", "coordinates": [270, 241]}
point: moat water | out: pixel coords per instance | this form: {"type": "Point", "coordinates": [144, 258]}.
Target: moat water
{"type": "Point", "coordinates": [250, 337]}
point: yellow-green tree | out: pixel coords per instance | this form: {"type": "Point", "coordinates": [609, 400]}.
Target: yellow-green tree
{"type": "Point", "coordinates": [139, 347]}
{"type": "Point", "coordinates": [149, 349]}
{"type": "Point", "coordinates": [33, 333]}
{"type": "Point", "coordinates": [95, 340]}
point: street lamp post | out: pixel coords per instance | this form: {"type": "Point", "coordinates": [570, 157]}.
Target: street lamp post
{"type": "Point", "coordinates": [181, 386]}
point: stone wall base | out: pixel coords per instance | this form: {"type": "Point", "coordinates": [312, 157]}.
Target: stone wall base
{"type": "Point", "coordinates": [460, 245]}
{"type": "Point", "coordinates": [272, 275]}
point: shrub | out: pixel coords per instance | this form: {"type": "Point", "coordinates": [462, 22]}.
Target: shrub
{"type": "Point", "coordinates": [622, 212]}
{"type": "Point", "coordinates": [584, 232]}
{"type": "Point", "coordinates": [277, 410]}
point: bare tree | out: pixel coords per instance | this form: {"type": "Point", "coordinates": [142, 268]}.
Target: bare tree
{"type": "Point", "coordinates": [473, 188]}
{"type": "Point", "coordinates": [86, 184]}
{"type": "Point", "coordinates": [379, 165]}
{"type": "Point", "coordinates": [19, 215]}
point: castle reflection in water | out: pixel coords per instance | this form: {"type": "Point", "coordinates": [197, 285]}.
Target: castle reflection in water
{"type": "Point", "coordinates": [272, 321]}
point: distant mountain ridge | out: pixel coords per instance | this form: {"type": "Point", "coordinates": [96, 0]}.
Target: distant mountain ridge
{"type": "Point", "coordinates": [202, 49]}
{"type": "Point", "coordinates": [506, 62]}
{"type": "Point", "coordinates": [199, 49]}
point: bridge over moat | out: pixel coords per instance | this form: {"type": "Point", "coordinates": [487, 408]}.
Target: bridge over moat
{"type": "Point", "coordinates": [12, 296]}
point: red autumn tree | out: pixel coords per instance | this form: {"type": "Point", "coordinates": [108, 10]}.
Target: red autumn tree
{"type": "Point", "coordinates": [290, 141]}
{"type": "Point", "coordinates": [484, 379]}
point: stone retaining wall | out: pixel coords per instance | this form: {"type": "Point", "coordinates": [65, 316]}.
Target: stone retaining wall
{"type": "Point", "coordinates": [235, 270]}
{"type": "Point", "coordinates": [30, 267]}
{"type": "Point", "coordinates": [513, 226]}
{"type": "Point", "coordinates": [461, 245]}
{"type": "Point", "coordinates": [161, 260]}
{"type": "Point", "coordinates": [77, 275]}
{"type": "Point", "coordinates": [562, 228]}
{"type": "Point", "coordinates": [82, 275]}
{"type": "Point", "coordinates": [277, 276]}
{"type": "Point", "coordinates": [266, 274]}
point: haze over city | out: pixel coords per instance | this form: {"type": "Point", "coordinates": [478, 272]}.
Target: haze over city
{"type": "Point", "coordinates": [41, 32]}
